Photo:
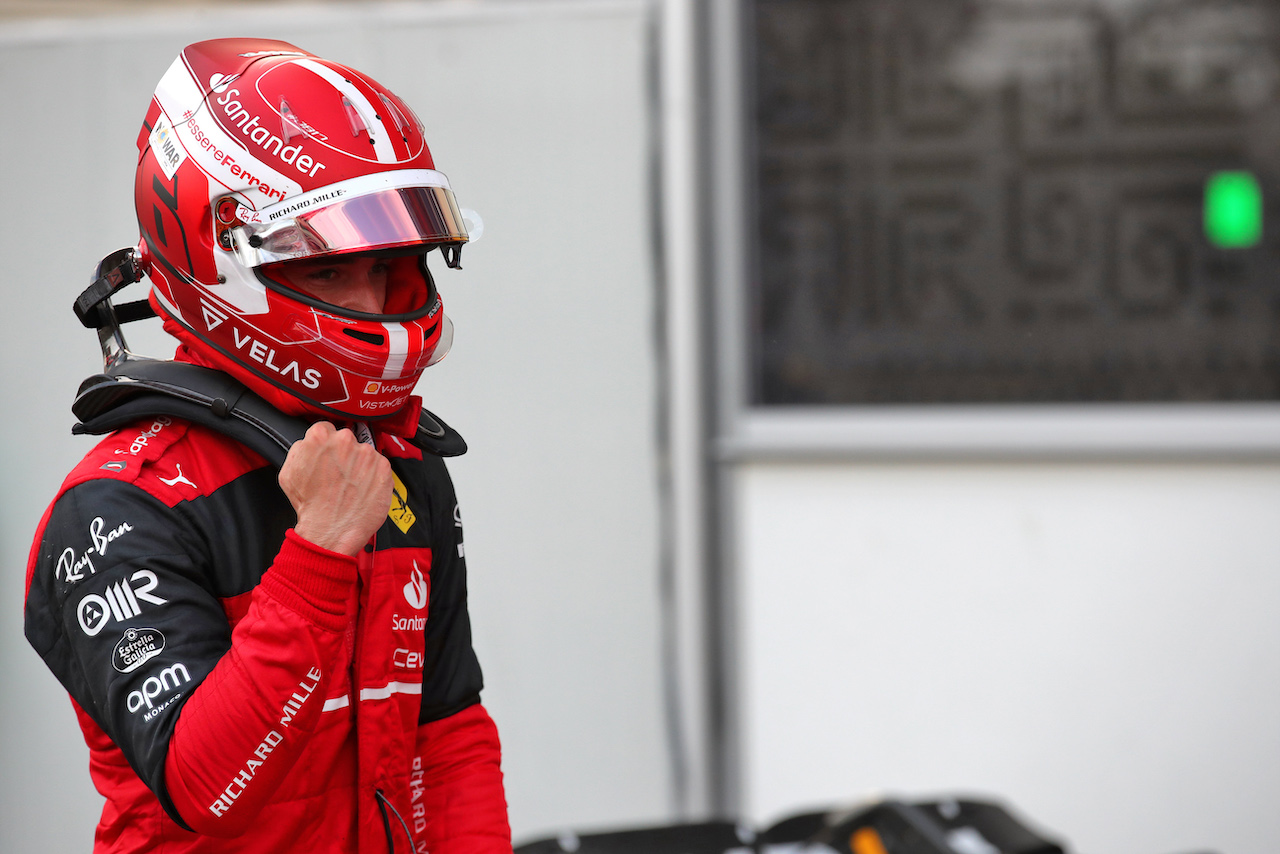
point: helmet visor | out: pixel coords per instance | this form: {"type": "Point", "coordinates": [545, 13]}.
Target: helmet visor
{"type": "Point", "coordinates": [389, 218]}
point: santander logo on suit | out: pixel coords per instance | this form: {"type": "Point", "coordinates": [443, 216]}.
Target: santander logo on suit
{"type": "Point", "coordinates": [415, 592]}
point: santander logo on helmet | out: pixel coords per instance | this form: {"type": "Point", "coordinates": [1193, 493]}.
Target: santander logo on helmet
{"type": "Point", "coordinates": [255, 154]}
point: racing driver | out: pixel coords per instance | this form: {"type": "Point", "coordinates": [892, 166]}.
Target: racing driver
{"type": "Point", "coordinates": [261, 660]}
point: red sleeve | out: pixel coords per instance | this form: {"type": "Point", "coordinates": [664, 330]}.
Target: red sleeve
{"type": "Point", "coordinates": [231, 747]}
{"type": "Point", "coordinates": [459, 806]}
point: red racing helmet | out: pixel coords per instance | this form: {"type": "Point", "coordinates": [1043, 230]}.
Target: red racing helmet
{"type": "Point", "coordinates": [256, 153]}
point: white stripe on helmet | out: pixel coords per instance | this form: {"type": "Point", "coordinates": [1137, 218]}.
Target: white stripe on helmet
{"type": "Point", "coordinates": [382, 147]}
{"type": "Point", "coordinates": [398, 347]}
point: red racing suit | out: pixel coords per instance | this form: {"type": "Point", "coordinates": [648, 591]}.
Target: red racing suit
{"type": "Point", "coordinates": [241, 689]}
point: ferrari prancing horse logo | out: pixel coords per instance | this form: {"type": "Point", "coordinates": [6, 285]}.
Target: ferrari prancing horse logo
{"type": "Point", "coordinates": [400, 512]}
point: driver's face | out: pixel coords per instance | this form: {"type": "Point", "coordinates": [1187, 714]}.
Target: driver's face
{"type": "Point", "coordinates": [353, 282]}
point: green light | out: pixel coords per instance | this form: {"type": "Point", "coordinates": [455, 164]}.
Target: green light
{"type": "Point", "coordinates": [1233, 210]}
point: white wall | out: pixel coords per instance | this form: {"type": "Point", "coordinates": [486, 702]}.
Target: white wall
{"type": "Point", "coordinates": [1096, 644]}
{"type": "Point", "coordinates": [540, 115]}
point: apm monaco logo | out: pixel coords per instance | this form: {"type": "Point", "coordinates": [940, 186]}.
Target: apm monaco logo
{"type": "Point", "coordinates": [170, 679]}
{"type": "Point", "coordinates": [120, 601]}
{"type": "Point", "coordinates": [136, 648]}
{"type": "Point", "coordinates": [415, 592]}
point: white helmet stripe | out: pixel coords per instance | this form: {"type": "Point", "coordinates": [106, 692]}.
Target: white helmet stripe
{"type": "Point", "coordinates": [398, 349]}
{"type": "Point", "coordinates": [382, 147]}
{"type": "Point", "coordinates": [216, 151]}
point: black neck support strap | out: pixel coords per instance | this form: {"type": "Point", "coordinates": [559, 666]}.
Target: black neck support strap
{"type": "Point", "coordinates": [137, 389]}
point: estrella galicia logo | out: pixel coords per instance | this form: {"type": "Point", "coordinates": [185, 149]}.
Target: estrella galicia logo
{"type": "Point", "coordinates": [121, 601]}
{"type": "Point", "coordinates": [136, 648]}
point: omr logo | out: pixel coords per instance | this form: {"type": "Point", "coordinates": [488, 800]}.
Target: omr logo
{"type": "Point", "coordinates": [415, 592]}
{"type": "Point", "coordinates": [121, 601]}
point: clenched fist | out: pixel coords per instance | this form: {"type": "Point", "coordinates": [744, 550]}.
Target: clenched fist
{"type": "Point", "coordinates": [340, 488]}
